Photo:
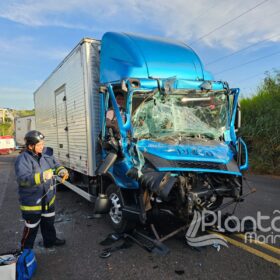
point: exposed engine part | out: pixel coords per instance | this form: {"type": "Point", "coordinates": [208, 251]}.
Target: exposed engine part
{"type": "Point", "coordinates": [160, 183]}
{"type": "Point", "coordinates": [186, 192]}
{"type": "Point", "coordinates": [182, 189]}
{"type": "Point", "coordinates": [197, 191]}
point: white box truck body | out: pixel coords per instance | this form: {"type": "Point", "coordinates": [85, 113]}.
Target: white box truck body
{"type": "Point", "coordinates": [22, 126]}
{"type": "Point", "coordinates": [67, 108]}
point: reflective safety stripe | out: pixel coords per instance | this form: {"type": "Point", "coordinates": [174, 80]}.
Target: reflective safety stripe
{"type": "Point", "coordinates": [59, 168]}
{"type": "Point", "coordinates": [37, 207]}
{"type": "Point", "coordinates": [47, 215]}
{"type": "Point", "coordinates": [31, 208]}
{"type": "Point", "coordinates": [32, 225]}
{"type": "Point", "coordinates": [37, 178]}
{"type": "Point", "coordinates": [52, 201]}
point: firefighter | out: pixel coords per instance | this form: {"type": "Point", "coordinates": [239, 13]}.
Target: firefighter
{"type": "Point", "coordinates": [35, 168]}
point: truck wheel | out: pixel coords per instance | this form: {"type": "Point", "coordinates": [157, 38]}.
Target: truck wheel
{"type": "Point", "coordinates": [118, 222]}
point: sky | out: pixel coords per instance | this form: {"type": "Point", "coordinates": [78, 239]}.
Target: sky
{"type": "Point", "coordinates": [237, 41]}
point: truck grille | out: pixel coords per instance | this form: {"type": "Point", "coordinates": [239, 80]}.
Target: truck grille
{"type": "Point", "coordinates": [158, 162]}
{"type": "Point", "coordinates": [200, 165]}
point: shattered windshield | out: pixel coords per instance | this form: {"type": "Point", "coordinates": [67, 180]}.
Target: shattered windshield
{"type": "Point", "coordinates": [180, 114]}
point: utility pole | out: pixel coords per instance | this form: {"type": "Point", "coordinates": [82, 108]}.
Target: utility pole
{"type": "Point", "coordinates": [3, 115]}
{"type": "Point", "coordinates": [3, 120]}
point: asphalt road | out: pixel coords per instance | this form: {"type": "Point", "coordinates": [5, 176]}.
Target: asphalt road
{"type": "Point", "coordinates": [79, 259]}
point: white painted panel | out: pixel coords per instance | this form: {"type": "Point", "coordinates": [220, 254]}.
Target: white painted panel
{"type": "Point", "coordinates": [80, 80]}
{"type": "Point", "coordinates": [7, 142]}
{"type": "Point", "coordinates": [62, 127]}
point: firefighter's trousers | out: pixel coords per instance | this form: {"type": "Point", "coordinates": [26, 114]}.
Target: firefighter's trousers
{"type": "Point", "coordinates": [32, 223]}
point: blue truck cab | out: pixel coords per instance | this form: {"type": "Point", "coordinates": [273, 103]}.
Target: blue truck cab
{"type": "Point", "coordinates": [174, 144]}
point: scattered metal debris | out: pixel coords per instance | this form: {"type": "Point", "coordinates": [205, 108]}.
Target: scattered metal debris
{"type": "Point", "coordinates": [180, 272]}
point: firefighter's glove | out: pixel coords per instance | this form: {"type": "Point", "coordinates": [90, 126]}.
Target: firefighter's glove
{"type": "Point", "coordinates": [63, 173]}
{"type": "Point", "coordinates": [47, 175]}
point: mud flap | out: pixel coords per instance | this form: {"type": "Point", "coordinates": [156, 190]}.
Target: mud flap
{"type": "Point", "coordinates": [102, 204]}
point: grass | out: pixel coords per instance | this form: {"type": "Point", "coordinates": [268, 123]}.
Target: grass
{"type": "Point", "coordinates": [261, 126]}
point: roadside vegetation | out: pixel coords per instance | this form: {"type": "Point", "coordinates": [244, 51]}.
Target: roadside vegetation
{"type": "Point", "coordinates": [25, 113]}
{"type": "Point", "coordinates": [7, 128]}
{"type": "Point", "coordinates": [261, 126]}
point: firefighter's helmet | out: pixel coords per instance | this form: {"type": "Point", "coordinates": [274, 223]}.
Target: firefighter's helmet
{"type": "Point", "coordinates": [33, 137]}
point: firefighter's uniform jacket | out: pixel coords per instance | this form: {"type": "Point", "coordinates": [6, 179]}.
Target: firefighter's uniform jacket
{"type": "Point", "coordinates": [29, 169]}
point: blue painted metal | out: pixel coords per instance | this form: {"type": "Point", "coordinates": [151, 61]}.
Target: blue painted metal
{"type": "Point", "coordinates": [119, 171]}
{"type": "Point", "coordinates": [245, 166]}
{"type": "Point", "coordinates": [219, 153]}
{"type": "Point", "coordinates": [227, 136]}
{"type": "Point", "coordinates": [121, 166]}
{"type": "Point", "coordinates": [182, 169]}
{"type": "Point", "coordinates": [126, 55]}
{"type": "Point", "coordinates": [147, 84]}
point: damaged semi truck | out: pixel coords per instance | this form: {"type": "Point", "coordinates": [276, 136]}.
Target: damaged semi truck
{"type": "Point", "coordinates": [174, 145]}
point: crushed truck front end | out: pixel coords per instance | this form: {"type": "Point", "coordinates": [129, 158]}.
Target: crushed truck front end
{"type": "Point", "coordinates": [176, 147]}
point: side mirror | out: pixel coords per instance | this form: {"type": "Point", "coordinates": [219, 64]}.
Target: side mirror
{"type": "Point", "coordinates": [237, 121]}
{"type": "Point", "coordinates": [242, 158]}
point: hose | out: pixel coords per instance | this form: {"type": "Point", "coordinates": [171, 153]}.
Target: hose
{"type": "Point", "coordinates": [52, 186]}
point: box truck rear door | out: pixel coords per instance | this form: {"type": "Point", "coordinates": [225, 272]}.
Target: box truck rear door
{"type": "Point", "coordinates": [62, 127]}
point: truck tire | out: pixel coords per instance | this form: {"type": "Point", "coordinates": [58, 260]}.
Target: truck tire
{"type": "Point", "coordinates": [117, 220]}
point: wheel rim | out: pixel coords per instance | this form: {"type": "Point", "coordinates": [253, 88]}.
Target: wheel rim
{"type": "Point", "coordinates": [115, 210]}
